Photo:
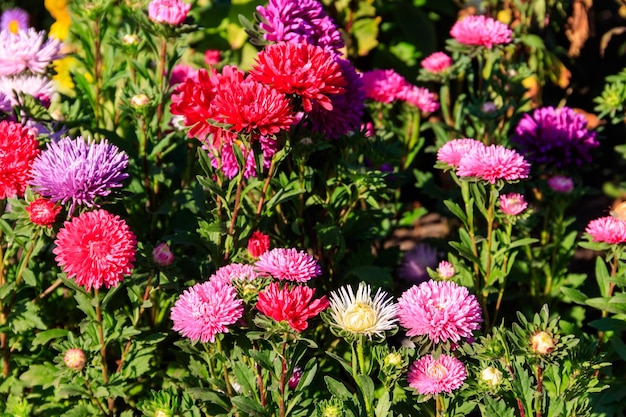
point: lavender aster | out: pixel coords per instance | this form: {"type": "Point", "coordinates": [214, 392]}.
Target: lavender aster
{"type": "Point", "coordinates": [299, 21]}
{"type": "Point", "coordinates": [26, 49]}
{"type": "Point", "coordinates": [415, 263]}
{"type": "Point", "coordinates": [14, 20]}
{"type": "Point", "coordinates": [78, 170]}
{"type": "Point", "coordinates": [557, 137]}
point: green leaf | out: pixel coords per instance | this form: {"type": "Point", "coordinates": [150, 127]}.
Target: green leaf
{"type": "Point", "coordinates": [47, 335]}
{"type": "Point", "coordinates": [608, 324]}
{"type": "Point", "coordinates": [532, 41]}
{"type": "Point", "coordinates": [249, 406]}
{"type": "Point", "coordinates": [39, 375]}
{"type": "Point", "coordinates": [602, 277]}
{"type": "Point", "coordinates": [383, 406]}
{"type": "Point", "coordinates": [337, 389]}
{"type": "Point", "coordinates": [576, 296]}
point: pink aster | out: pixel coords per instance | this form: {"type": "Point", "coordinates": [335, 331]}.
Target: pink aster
{"type": "Point", "coordinates": [205, 310]}
{"type": "Point", "coordinates": [442, 310]}
{"type": "Point", "coordinates": [451, 152]}
{"type": "Point", "coordinates": [96, 248]}
{"type": "Point", "coordinates": [383, 86]}
{"type": "Point", "coordinates": [26, 50]}
{"type": "Point", "coordinates": [481, 31]}
{"type": "Point", "coordinates": [607, 229]}
{"type": "Point", "coordinates": [162, 255]}
{"type": "Point", "coordinates": [512, 204]}
{"type": "Point", "coordinates": [561, 184]}
{"type": "Point", "coordinates": [288, 264]}
{"type": "Point", "coordinates": [43, 212]}
{"type": "Point", "coordinates": [445, 270]}
{"type": "Point", "coordinates": [429, 376]}
{"type": "Point", "coordinates": [419, 97]}
{"type": "Point", "coordinates": [493, 163]}
{"type": "Point", "coordinates": [437, 62]}
{"type": "Point", "coordinates": [292, 305]}
{"type": "Point", "coordinates": [235, 272]}
{"type": "Point", "coordinates": [173, 12]}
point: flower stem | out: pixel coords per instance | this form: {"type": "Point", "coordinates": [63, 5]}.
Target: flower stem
{"type": "Point", "coordinates": [439, 406]}
{"type": "Point", "coordinates": [283, 379]}
{"type": "Point", "coordinates": [103, 350]}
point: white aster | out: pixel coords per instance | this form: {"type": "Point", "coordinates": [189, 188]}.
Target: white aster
{"type": "Point", "coordinates": [38, 86]}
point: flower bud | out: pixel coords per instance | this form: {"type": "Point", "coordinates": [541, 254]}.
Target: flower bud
{"type": "Point", "coordinates": [258, 244]}
{"type": "Point", "coordinates": [43, 212]}
{"type": "Point", "coordinates": [393, 359]}
{"type": "Point", "coordinates": [162, 255]}
{"type": "Point", "coordinates": [488, 107]}
{"type": "Point", "coordinates": [139, 100]}
{"type": "Point", "coordinates": [445, 270]}
{"type": "Point", "coordinates": [75, 359]}
{"type": "Point", "coordinates": [491, 376]}
{"type": "Point", "coordinates": [162, 413]}
{"type": "Point", "coordinates": [294, 380]}
{"type": "Point", "coordinates": [130, 39]}
{"type": "Point", "coordinates": [542, 343]}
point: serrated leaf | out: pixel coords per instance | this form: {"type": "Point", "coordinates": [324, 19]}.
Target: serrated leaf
{"type": "Point", "coordinates": [337, 388]}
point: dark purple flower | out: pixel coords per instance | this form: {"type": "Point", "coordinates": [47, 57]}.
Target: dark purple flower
{"type": "Point", "coordinates": [557, 137]}
{"type": "Point", "coordinates": [347, 108]}
{"type": "Point", "coordinates": [300, 21]}
{"type": "Point", "coordinates": [78, 170]}
{"type": "Point", "coordinates": [415, 262]}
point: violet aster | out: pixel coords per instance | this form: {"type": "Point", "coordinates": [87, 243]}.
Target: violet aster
{"type": "Point", "coordinates": [557, 137]}
{"type": "Point", "coordinates": [78, 170]}
{"type": "Point", "coordinates": [14, 20]}
{"type": "Point", "coordinates": [299, 21]}
{"type": "Point", "coordinates": [26, 50]}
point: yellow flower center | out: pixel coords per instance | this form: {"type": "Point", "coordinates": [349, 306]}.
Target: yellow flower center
{"type": "Point", "coordinates": [359, 317]}
{"type": "Point", "coordinates": [437, 371]}
{"type": "Point", "coordinates": [14, 26]}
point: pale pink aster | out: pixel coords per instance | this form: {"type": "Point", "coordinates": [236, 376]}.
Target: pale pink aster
{"type": "Point", "coordinates": [437, 62]}
{"type": "Point", "coordinates": [173, 12]}
{"type": "Point", "coordinates": [442, 310]}
{"type": "Point", "coordinates": [445, 270]}
{"type": "Point", "coordinates": [451, 152]}
{"type": "Point", "coordinates": [481, 31]}
{"type": "Point", "coordinates": [607, 229]}
{"type": "Point", "coordinates": [512, 204]}
{"type": "Point", "coordinates": [430, 376]}
{"type": "Point", "coordinates": [383, 86]}
{"type": "Point", "coordinates": [235, 272]}
{"type": "Point", "coordinates": [561, 184]}
{"type": "Point", "coordinates": [493, 163]}
{"type": "Point", "coordinates": [288, 264]}
{"type": "Point", "coordinates": [38, 86]}
{"type": "Point", "coordinates": [205, 310]}
{"type": "Point", "coordinates": [419, 97]}
{"type": "Point", "coordinates": [14, 20]}
{"type": "Point", "coordinates": [26, 50]}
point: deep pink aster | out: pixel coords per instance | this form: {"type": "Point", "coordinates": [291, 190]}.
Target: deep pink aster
{"type": "Point", "coordinates": [205, 310]}
{"type": "Point", "coordinates": [432, 377]}
{"type": "Point", "coordinates": [173, 12]}
{"type": "Point", "coordinates": [607, 229]}
{"type": "Point", "coordinates": [493, 163]}
{"type": "Point", "coordinates": [383, 86]}
{"type": "Point", "coordinates": [212, 57]}
{"type": "Point", "coordinates": [561, 184]}
{"type": "Point", "coordinates": [26, 50]}
{"type": "Point", "coordinates": [557, 137]}
{"type": "Point", "coordinates": [288, 264]}
{"type": "Point", "coordinates": [481, 31]}
{"type": "Point", "coordinates": [181, 72]}
{"type": "Point", "coordinates": [224, 159]}
{"type": "Point", "coordinates": [292, 305]}
{"type": "Point", "coordinates": [18, 150]}
{"type": "Point", "coordinates": [451, 152]}
{"type": "Point", "coordinates": [512, 204]}
{"type": "Point", "coordinates": [14, 20]}
{"type": "Point", "coordinates": [299, 21]}
{"type": "Point", "coordinates": [43, 212]}
{"type": "Point", "coordinates": [234, 272]}
{"type": "Point", "coordinates": [95, 249]}
{"type": "Point", "coordinates": [419, 97]}
{"type": "Point", "coordinates": [307, 71]}
{"type": "Point", "coordinates": [442, 310]}
{"type": "Point", "coordinates": [258, 244]}
{"type": "Point", "coordinates": [437, 62]}
{"type": "Point", "coordinates": [162, 255]}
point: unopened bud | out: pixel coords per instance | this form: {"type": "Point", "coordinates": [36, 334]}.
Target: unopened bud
{"type": "Point", "coordinates": [491, 376]}
{"type": "Point", "coordinates": [130, 39]}
{"type": "Point", "coordinates": [162, 255]}
{"type": "Point", "coordinates": [139, 100]}
{"type": "Point", "coordinates": [542, 343]}
{"type": "Point", "coordinates": [393, 359]}
{"type": "Point", "coordinates": [489, 107]}
{"type": "Point", "coordinates": [75, 359]}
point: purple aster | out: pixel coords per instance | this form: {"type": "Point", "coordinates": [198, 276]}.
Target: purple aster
{"type": "Point", "coordinates": [26, 49]}
{"type": "Point", "coordinates": [299, 21]}
{"type": "Point", "coordinates": [415, 263]}
{"type": "Point", "coordinates": [14, 20]}
{"type": "Point", "coordinates": [78, 170]}
{"type": "Point", "coordinates": [347, 113]}
{"type": "Point", "coordinates": [38, 86]}
{"type": "Point", "coordinates": [555, 136]}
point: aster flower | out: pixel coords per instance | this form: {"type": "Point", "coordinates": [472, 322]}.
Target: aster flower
{"type": "Point", "coordinates": [431, 377]}
{"type": "Point", "coordinates": [299, 21]}
{"type": "Point", "coordinates": [557, 137]}
{"type": "Point", "coordinates": [419, 97]}
{"type": "Point", "coordinates": [14, 20]}
{"type": "Point", "coordinates": [43, 212]}
{"type": "Point", "coordinates": [512, 204]}
{"type": "Point", "coordinates": [442, 310]}
{"type": "Point", "coordinates": [383, 86]}
{"type": "Point", "coordinates": [451, 152]}
{"type": "Point", "coordinates": [173, 12]}
{"type": "Point", "coordinates": [348, 107]}
{"type": "Point", "coordinates": [95, 249]}
{"type": "Point", "coordinates": [481, 31]}
{"type": "Point", "coordinates": [561, 184]}
{"type": "Point", "coordinates": [288, 264]}
{"type": "Point", "coordinates": [78, 170]}
{"type": "Point", "coordinates": [18, 150]}
{"type": "Point", "coordinates": [162, 255]}
{"type": "Point", "coordinates": [292, 305]}
{"type": "Point", "coordinates": [212, 57]}
{"type": "Point", "coordinates": [437, 62]}
{"type": "Point", "coordinates": [493, 163]}
{"type": "Point", "coordinates": [258, 244]}
{"type": "Point", "coordinates": [307, 71]}
{"type": "Point", "coordinates": [26, 49]}
{"type": "Point", "coordinates": [360, 313]}
{"type": "Point", "coordinates": [416, 261]}
{"type": "Point", "coordinates": [206, 310]}
{"type": "Point", "coordinates": [234, 272]}
{"type": "Point", "coordinates": [445, 270]}
{"type": "Point", "coordinates": [607, 229]}
{"type": "Point", "coordinates": [181, 72]}
{"type": "Point", "coordinates": [223, 158]}
{"type": "Point", "coordinates": [38, 86]}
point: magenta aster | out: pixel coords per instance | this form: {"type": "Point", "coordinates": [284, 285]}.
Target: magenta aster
{"type": "Point", "coordinates": [445, 270]}
{"type": "Point", "coordinates": [437, 62]}
{"type": "Point", "coordinates": [26, 50]}
{"type": "Point", "coordinates": [288, 264]}
{"type": "Point", "coordinates": [442, 310]}
{"type": "Point", "coordinates": [451, 152]}
{"type": "Point", "coordinates": [481, 31]}
{"type": "Point", "coordinates": [43, 212]}
{"type": "Point", "coordinates": [512, 204]}
{"type": "Point", "coordinates": [493, 163]}
{"type": "Point", "coordinates": [206, 310]}
{"type": "Point", "coordinates": [383, 86]}
{"type": "Point", "coordinates": [561, 184]}
{"type": "Point", "coordinates": [431, 377]}
{"type": "Point", "coordinates": [173, 12]}
{"type": "Point", "coordinates": [607, 229]}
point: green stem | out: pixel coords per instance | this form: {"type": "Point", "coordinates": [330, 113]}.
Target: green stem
{"type": "Point", "coordinates": [440, 406]}
{"type": "Point", "coordinates": [469, 214]}
{"type": "Point", "coordinates": [490, 219]}
{"type": "Point", "coordinates": [103, 350]}
{"type": "Point", "coordinates": [283, 379]}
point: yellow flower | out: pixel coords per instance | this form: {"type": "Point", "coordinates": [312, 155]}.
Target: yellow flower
{"type": "Point", "coordinates": [60, 28]}
{"type": "Point", "coordinates": [62, 78]}
{"type": "Point", "coordinates": [56, 8]}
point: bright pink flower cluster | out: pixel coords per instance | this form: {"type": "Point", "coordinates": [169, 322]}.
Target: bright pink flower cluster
{"type": "Point", "coordinates": [437, 62]}
{"type": "Point", "coordinates": [452, 152]}
{"type": "Point", "coordinates": [430, 376]}
{"type": "Point", "coordinates": [607, 229]}
{"type": "Point", "coordinates": [43, 212]}
{"type": "Point", "coordinates": [288, 265]}
{"type": "Point", "coordinates": [481, 31]}
{"type": "Point", "coordinates": [387, 86]}
{"type": "Point", "coordinates": [18, 150]}
{"type": "Point", "coordinates": [258, 244]}
{"type": "Point", "coordinates": [173, 12]}
{"type": "Point", "coordinates": [512, 204]}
